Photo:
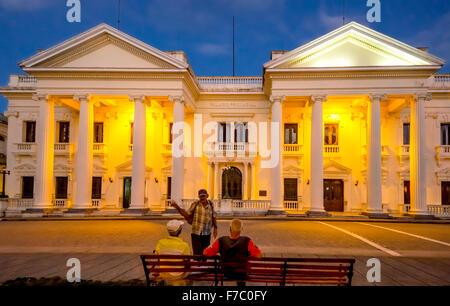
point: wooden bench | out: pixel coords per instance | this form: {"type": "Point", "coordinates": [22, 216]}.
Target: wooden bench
{"type": "Point", "coordinates": [269, 270]}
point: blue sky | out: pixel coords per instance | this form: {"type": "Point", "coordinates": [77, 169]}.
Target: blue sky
{"type": "Point", "coordinates": [203, 28]}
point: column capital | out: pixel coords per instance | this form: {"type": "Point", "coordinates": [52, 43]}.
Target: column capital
{"type": "Point", "coordinates": [279, 98]}
{"type": "Point", "coordinates": [81, 97]}
{"type": "Point", "coordinates": [40, 97]}
{"type": "Point", "coordinates": [377, 96]}
{"type": "Point", "coordinates": [175, 99]}
{"type": "Point", "coordinates": [136, 98]}
{"type": "Point", "coordinates": [11, 114]}
{"type": "Point", "coordinates": [423, 96]}
{"type": "Point", "coordinates": [318, 98]}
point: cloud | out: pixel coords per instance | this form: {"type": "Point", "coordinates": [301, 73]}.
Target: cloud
{"type": "Point", "coordinates": [436, 37]}
{"type": "Point", "coordinates": [24, 5]}
{"type": "Point", "coordinates": [212, 49]}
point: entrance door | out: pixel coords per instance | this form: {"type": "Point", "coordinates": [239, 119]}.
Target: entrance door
{"type": "Point", "coordinates": [445, 193]}
{"type": "Point", "coordinates": [406, 193]}
{"type": "Point", "coordinates": [232, 184]}
{"type": "Point", "coordinates": [126, 192]}
{"type": "Point", "coordinates": [333, 195]}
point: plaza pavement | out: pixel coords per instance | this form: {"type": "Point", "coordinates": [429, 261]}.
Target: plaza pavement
{"type": "Point", "coordinates": [410, 253]}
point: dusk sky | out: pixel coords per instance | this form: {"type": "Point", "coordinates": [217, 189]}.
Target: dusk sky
{"type": "Point", "coordinates": [203, 29]}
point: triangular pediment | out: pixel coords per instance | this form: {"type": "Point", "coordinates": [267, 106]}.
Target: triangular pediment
{"type": "Point", "coordinates": [103, 47]}
{"type": "Point", "coordinates": [333, 167]}
{"type": "Point", "coordinates": [127, 166]}
{"type": "Point", "coordinates": [292, 169]}
{"type": "Point", "coordinates": [354, 45]}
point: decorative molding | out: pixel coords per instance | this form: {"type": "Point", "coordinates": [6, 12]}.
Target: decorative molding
{"type": "Point", "coordinates": [137, 98]}
{"type": "Point", "coordinates": [40, 97]}
{"type": "Point", "coordinates": [277, 98]}
{"type": "Point", "coordinates": [11, 114]}
{"type": "Point", "coordinates": [443, 175]}
{"type": "Point", "coordinates": [234, 115]}
{"type": "Point", "coordinates": [377, 96]}
{"type": "Point", "coordinates": [175, 99]}
{"type": "Point", "coordinates": [423, 96]}
{"type": "Point", "coordinates": [97, 43]}
{"type": "Point", "coordinates": [318, 98]}
{"type": "Point", "coordinates": [81, 97]}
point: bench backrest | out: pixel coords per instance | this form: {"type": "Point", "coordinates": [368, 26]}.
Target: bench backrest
{"type": "Point", "coordinates": [308, 271]}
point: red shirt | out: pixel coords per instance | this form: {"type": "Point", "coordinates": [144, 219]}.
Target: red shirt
{"type": "Point", "coordinates": [214, 249]}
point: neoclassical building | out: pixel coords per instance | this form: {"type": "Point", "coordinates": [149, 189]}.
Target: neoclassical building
{"type": "Point", "coordinates": [354, 122]}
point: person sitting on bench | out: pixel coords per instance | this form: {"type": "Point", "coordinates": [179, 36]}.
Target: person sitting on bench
{"type": "Point", "coordinates": [173, 245]}
{"type": "Point", "coordinates": [234, 248]}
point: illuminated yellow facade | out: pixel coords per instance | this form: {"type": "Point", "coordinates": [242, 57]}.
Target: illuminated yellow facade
{"type": "Point", "coordinates": [354, 121]}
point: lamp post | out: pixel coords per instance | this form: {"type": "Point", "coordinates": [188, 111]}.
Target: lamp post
{"type": "Point", "coordinates": [4, 172]}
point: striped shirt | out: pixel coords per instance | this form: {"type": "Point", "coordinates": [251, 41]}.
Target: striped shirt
{"type": "Point", "coordinates": [203, 218]}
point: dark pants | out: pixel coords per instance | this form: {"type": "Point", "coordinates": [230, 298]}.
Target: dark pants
{"type": "Point", "coordinates": [199, 243]}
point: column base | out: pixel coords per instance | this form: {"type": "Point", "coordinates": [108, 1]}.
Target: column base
{"type": "Point", "coordinates": [276, 212]}
{"type": "Point", "coordinates": [36, 212]}
{"type": "Point", "coordinates": [376, 215]}
{"type": "Point", "coordinates": [80, 210]}
{"type": "Point", "coordinates": [421, 216]}
{"type": "Point", "coordinates": [170, 211]}
{"type": "Point", "coordinates": [135, 211]}
{"type": "Point", "coordinates": [314, 213]}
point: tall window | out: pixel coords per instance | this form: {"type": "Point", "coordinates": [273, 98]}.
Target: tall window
{"type": "Point", "coordinates": [61, 187]}
{"type": "Point", "coordinates": [64, 132]}
{"type": "Point", "coordinates": [445, 134]}
{"type": "Point", "coordinates": [170, 132]}
{"type": "Point", "coordinates": [406, 193]}
{"type": "Point", "coordinates": [224, 132]}
{"type": "Point", "coordinates": [30, 131]}
{"type": "Point", "coordinates": [97, 187]}
{"type": "Point", "coordinates": [27, 187]}
{"type": "Point", "coordinates": [290, 133]}
{"type": "Point", "coordinates": [331, 135]}
{"type": "Point", "coordinates": [169, 187]}
{"type": "Point", "coordinates": [241, 132]}
{"type": "Point", "coordinates": [98, 132]}
{"type": "Point", "coordinates": [290, 189]}
{"type": "Point", "coordinates": [406, 134]}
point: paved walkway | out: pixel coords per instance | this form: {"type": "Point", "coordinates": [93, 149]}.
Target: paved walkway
{"type": "Point", "coordinates": [114, 267]}
{"type": "Point", "coordinates": [410, 253]}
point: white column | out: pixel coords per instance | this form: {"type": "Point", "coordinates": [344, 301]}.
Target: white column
{"type": "Point", "coordinates": [252, 194]}
{"type": "Point", "coordinates": [417, 149]}
{"type": "Point", "coordinates": [178, 150]}
{"type": "Point", "coordinates": [276, 205]}
{"type": "Point", "coordinates": [210, 176]}
{"type": "Point", "coordinates": [217, 185]}
{"type": "Point", "coordinates": [245, 179]}
{"type": "Point", "coordinates": [138, 159]}
{"type": "Point", "coordinates": [374, 155]}
{"type": "Point", "coordinates": [45, 152]}
{"type": "Point", "coordinates": [84, 153]}
{"type": "Point", "coordinates": [316, 205]}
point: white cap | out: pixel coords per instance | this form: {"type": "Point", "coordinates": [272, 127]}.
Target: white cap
{"type": "Point", "coordinates": [174, 225]}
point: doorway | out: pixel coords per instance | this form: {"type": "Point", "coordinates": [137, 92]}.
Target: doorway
{"type": "Point", "coordinates": [232, 184]}
{"type": "Point", "coordinates": [333, 195]}
{"type": "Point", "coordinates": [126, 192]}
{"type": "Point", "coordinates": [445, 188]}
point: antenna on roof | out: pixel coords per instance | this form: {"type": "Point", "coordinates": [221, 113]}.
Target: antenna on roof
{"type": "Point", "coordinates": [343, 12]}
{"type": "Point", "coordinates": [118, 17]}
{"type": "Point", "coordinates": [233, 45]}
